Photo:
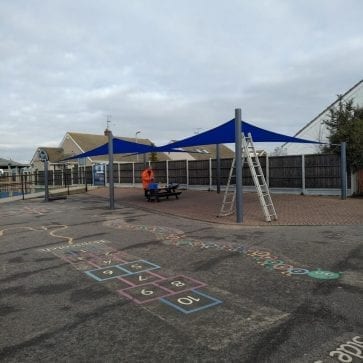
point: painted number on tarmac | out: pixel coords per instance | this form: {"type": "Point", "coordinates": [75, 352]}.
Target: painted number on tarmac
{"type": "Point", "coordinates": [188, 300]}
{"type": "Point", "coordinates": [177, 283]}
{"type": "Point", "coordinates": [107, 272]}
{"type": "Point", "coordinates": [146, 292]}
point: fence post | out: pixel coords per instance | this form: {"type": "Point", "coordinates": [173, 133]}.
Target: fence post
{"type": "Point", "coordinates": [133, 174]}
{"type": "Point", "coordinates": [46, 190]}
{"type": "Point", "coordinates": [343, 169]}
{"type": "Point", "coordinates": [85, 178]}
{"type": "Point", "coordinates": [167, 171]}
{"type": "Point", "coordinates": [30, 178]}
{"type": "Point", "coordinates": [210, 174]}
{"type": "Point", "coordinates": [22, 183]}
{"type": "Point", "coordinates": [68, 181]}
{"type": "Point", "coordinates": [187, 167]}
{"type": "Point", "coordinates": [218, 171]}
{"type": "Point", "coordinates": [303, 191]}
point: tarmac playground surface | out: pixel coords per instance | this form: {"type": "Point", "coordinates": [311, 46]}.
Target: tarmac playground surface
{"type": "Point", "coordinates": [142, 283]}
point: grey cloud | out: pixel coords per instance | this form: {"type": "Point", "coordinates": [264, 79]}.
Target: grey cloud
{"type": "Point", "coordinates": [168, 68]}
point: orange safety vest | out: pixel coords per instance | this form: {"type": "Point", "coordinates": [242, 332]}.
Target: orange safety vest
{"type": "Point", "coordinates": [147, 177]}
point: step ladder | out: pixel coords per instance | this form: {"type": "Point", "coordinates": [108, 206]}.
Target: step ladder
{"type": "Point", "coordinates": [249, 154]}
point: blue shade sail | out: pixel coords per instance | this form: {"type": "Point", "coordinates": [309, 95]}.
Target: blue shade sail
{"type": "Point", "coordinates": [223, 134]}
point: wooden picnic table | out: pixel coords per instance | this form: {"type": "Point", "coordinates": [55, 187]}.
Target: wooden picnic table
{"type": "Point", "coordinates": [163, 192]}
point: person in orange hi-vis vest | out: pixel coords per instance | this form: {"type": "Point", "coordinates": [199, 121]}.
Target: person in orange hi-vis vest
{"type": "Point", "coordinates": [147, 177]}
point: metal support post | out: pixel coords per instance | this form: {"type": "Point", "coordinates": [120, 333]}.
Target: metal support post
{"type": "Point", "coordinates": [110, 167]}
{"type": "Point", "coordinates": [343, 169]}
{"type": "Point", "coordinates": [238, 157]}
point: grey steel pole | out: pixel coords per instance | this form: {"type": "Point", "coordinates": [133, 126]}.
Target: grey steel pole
{"type": "Point", "coordinates": [238, 156]}
{"type": "Point", "coordinates": [46, 188]}
{"type": "Point", "coordinates": [218, 171]}
{"type": "Point", "coordinates": [110, 168]}
{"type": "Point", "coordinates": [343, 169]}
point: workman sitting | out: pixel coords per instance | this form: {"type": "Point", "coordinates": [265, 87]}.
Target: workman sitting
{"type": "Point", "coordinates": [147, 177]}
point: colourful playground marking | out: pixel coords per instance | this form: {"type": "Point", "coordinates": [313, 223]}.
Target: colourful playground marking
{"type": "Point", "coordinates": [138, 280]}
{"type": "Point", "coordinates": [264, 258]}
{"type": "Point", "coordinates": [191, 301]}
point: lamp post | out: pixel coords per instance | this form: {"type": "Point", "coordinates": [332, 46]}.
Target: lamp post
{"type": "Point", "coordinates": [137, 155]}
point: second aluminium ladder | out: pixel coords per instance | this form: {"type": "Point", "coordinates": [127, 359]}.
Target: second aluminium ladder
{"type": "Point", "coordinates": [249, 154]}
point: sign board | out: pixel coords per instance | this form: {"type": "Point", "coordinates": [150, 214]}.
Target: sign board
{"type": "Point", "coordinates": [82, 161]}
{"type": "Point", "coordinates": [99, 174]}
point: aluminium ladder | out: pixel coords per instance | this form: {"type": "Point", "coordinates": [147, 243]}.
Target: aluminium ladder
{"type": "Point", "coordinates": [249, 154]}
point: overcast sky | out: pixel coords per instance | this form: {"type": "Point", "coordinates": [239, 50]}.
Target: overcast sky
{"type": "Point", "coordinates": [169, 68]}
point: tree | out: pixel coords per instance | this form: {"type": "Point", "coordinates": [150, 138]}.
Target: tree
{"type": "Point", "coordinates": [345, 123]}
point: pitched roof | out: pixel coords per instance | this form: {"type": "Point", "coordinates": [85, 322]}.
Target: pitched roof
{"type": "Point", "coordinates": [5, 162]}
{"type": "Point", "coordinates": [55, 154]}
{"type": "Point", "coordinates": [203, 152]}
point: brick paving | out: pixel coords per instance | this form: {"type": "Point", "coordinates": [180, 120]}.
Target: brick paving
{"type": "Point", "coordinates": [291, 209]}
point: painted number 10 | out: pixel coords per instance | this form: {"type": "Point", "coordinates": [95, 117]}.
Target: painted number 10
{"type": "Point", "coordinates": [188, 300]}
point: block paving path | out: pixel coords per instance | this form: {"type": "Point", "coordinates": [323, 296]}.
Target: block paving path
{"type": "Point", "coordinates": [291, 209]}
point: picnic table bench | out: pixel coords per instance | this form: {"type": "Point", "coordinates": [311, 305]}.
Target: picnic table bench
{"type": "Point", "coordinates": [155, 192]}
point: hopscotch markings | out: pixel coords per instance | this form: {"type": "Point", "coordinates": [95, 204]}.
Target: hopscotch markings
{"type": "Point", "coordinates": [139, 266]}
{"type": "Point", "coordinates": [180, 283]}
{"type": "Point", "coordinates": [161, 288]}
{"type": "Point", "coordinates": [144, 293]}
{"type": "Point", "coordinates": [111, 272]}
{"type": "Point", "coordinates": [108, 259]}
{"type": "Point", "coordinates": [125, 269]}
{"type": "Point", "coordinates": [136, 279]}
{"type": "Point", "coordinates": [190, 301]}
{"type": "Point", "coordinates": [142, 278]}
